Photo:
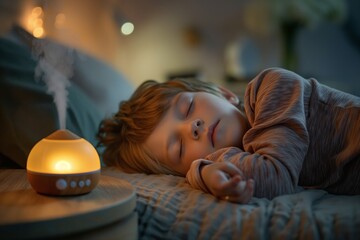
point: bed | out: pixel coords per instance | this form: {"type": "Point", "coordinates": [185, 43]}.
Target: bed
{"type": "Point", "coordinates": [168, 208]}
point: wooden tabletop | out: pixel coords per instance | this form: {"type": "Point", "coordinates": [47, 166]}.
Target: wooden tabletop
{"type": "Point", "coordinates": [29, 214]}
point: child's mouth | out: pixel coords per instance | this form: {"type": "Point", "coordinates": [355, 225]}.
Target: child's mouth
{"type": "Point", "coordinates": [211, 132]}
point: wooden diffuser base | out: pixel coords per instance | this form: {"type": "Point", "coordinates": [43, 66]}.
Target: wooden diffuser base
{"type": "Point", "coordinates": [63, 184]}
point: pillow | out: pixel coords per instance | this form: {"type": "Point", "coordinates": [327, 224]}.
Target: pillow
{"type": "Point", "coordinates": [28, 111]}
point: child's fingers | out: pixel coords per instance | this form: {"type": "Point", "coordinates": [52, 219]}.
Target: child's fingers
{"type": "Point", "coordinates": [227, 186]}
{"type": "Point", "coordinates": [230, 169]}
{"type": "Point", "coordinates": [247, 193]}
{"type": "Point", "coordinates": [235, 186]}
{"type": "Point", "coordinates": [235, 180]}
{"type": "Point", "coordinates": [243, 192]}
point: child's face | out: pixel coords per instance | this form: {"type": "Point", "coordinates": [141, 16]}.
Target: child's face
{"type": "Point", "coordinates": [196, 124]}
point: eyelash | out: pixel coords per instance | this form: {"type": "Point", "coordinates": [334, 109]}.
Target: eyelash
{"type": "Point", "coordinates": [187, 114]}
{"type": "Point", "coordinates": [189, 109]}
{"type": "Point", "coordinates": [180, 151]}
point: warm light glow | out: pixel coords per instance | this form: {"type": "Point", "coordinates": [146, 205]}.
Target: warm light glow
{"type": "Point", "coordinates": [36, 23]}
{"type": "Point", "coordinates": [127, 28]}
{"type": "Point", "coordinates": [60, 20]}
{"type": "Point", "coordinates": [37, 11]}
{"type": "Point", "coordinates": [63, 156]}
{"type": "Point", "coordinates": [38, 32]}
{"type": "Point", "coordinates": [31, 23]}
{"type": "Point", "coordinates": [62, 166]}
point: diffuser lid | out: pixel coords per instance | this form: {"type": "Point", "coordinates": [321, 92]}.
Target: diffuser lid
{"type": "Point", "coordinates": [63, 152]}
{"type": "Point", "coordinates": [62, 134]}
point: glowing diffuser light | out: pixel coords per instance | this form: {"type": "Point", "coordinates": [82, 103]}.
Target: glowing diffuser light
{"type": "Point", "coordinates": [63, 164]}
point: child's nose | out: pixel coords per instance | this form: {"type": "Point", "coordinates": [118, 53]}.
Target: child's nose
{"type": "Point", "coordinates": [197, 128]}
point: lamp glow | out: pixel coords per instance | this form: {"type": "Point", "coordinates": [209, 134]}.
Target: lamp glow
{"type": "Point", "coordinates": [63, 164]}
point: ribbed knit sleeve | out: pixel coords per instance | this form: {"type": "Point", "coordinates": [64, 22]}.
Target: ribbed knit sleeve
{"type": "Point", "coordinates": [193, 176]}
{"type": "Point", "coordinates": [277, 142]}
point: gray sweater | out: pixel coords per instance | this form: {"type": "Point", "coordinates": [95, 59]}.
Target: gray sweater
{"type": "Point", "coordinates": [302, 133]}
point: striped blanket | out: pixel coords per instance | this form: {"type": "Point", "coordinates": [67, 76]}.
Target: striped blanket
{"type": "Point", "coordinates": [169, 208]}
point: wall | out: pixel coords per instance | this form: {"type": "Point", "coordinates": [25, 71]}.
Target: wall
{"type": "Point", "coordinates": [157, 47]}
{"type": "Point", "coordinates": [178, 37]}
{"type": "Point", "coordinates": [331, 53]}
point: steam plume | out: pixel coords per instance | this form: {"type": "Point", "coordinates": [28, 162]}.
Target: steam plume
{"type": "Point", "coordinates": [55, 68]}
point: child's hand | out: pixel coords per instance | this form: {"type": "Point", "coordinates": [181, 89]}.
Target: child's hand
{"type": "Point", "coordinates": [224, 181]}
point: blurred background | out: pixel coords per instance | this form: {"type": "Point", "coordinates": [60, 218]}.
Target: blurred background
{"type": "Point", "coordinates": [66, 64]}
{"type": "Point", "coordinates": [227, 42]}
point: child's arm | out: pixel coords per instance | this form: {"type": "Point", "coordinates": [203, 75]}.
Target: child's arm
{"type": "Point", "coordinates": [277, 142]}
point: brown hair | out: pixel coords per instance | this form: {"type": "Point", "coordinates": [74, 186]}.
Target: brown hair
{"type": "Point", "coordinates": [123, 134]}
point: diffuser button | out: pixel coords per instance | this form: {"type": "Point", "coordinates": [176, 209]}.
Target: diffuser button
{"type": "Point", "coordinates": [72, 184]}
{"type": "Point", "coordinates": [61, 184]}
{"type": "Point", "coordinates": [88, 182]}
{"type": "Point", "coordinates": [81, 183]}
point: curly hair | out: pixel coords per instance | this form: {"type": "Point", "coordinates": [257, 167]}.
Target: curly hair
{"type": "Point", "coordinates": [123, 135]}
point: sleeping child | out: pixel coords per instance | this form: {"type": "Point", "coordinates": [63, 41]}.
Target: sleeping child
{"type": "Point", "coordinates": [288, 133]}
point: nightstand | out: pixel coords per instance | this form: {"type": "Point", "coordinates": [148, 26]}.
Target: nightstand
{"type": "Point", "coordinates": [107, 212]}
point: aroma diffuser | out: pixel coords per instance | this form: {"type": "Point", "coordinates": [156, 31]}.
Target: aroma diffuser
{"type": "Point", "coordinates": [63, 164]}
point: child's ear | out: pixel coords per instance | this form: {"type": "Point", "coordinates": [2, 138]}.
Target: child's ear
{"type": "Point", "coordinates": [229, 95]}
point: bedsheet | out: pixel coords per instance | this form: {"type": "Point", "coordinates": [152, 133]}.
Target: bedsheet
{"type": "Point", "coordinates": [169, 208]}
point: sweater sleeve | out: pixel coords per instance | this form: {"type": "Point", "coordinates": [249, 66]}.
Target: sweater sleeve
{"type": "Point", "coordinates": [193, 176]}
{"type": "Point", "coordinates": [276, 144]}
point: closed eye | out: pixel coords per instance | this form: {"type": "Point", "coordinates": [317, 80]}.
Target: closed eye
{"type": "Point", "coordinates": [190, 108]}
{"type": "Point", "coordinates": [188, 112]}
{"type": "Point", "coordinates": [180, 149]}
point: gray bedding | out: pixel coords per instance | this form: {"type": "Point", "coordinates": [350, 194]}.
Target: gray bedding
{"type": "Point", "coordinates": [169, 208]}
